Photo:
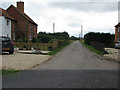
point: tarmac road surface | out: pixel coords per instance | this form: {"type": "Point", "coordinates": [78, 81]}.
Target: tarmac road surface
{"type": "Point", "coordinates": [74, 67]}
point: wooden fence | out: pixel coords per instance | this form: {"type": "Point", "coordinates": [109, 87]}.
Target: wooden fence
{"type": "Point", "coordinates": [39, 46]}
{"type": "Point", "coordinates": [28, 46]}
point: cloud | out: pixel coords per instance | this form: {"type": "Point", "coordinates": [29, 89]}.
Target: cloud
{"type": "Point", "coordinates": [69, 16]}
{"type": "Point", "coordinates": [5, 5]}
{"type": "Point", "coordinates": [74, 24]}
{"type": "Point", "coordinates": [86, 6]}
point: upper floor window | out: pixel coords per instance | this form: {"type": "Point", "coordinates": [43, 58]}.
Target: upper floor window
{"type": "Point", "coordinates": [118, 29]}
{"type": "Point", "coordinates": [31, 26]}
{"type": "Point", "coordinates": [34, 27]}
{"type": "Point", "coordinates": [7, 22]}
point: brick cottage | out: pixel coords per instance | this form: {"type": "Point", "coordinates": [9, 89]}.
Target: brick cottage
{"type": "Point", "coordinates": [117, 32]}
{"type": "Point", "coordinates": [26, 28]}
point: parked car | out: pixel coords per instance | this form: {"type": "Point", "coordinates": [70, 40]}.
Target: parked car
{"type": "Point", "coordinates": [7, 44]}
{"type": "Point", "coordinates": [117, 45]}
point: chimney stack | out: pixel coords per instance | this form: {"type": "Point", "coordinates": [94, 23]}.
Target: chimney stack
{"type": "Point", "coordinates": [20, 6]}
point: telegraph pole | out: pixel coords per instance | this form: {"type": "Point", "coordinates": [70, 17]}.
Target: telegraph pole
{"type": "Point", "coordinates": [79, 36]}
{"type": "Point", "coordinates": [81, 31]}
{"type": "Point", "coordinates": [53, 27]}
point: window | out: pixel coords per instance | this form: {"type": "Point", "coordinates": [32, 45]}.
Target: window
{"type": "Point", "coordinates": [34, 34]}
{"type": "Point", "coordinates": [34, 28]}
{"type": "Point", "coordinates": [30, 37]}
{"type": "Point", "coordinates": [118, 39]}
{"type": "Point", "coordinates": [13, 36]}
{"type": "Point", "coordinates": [13, 26]}
{"type": "Point", "coordinates": [7, 22]}
{"type": "Point", "coordinates": [31, 26]}
{"type": "Point", "coordinates": [118, 29]}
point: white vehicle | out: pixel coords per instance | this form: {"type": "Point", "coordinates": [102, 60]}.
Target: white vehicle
{"type": "Point", "coordinates": [117, 45]}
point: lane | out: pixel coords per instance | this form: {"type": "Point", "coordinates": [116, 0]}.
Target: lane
{"type": "Point", "coordinates": [77, 57]}
{"type": "Point", "coordinates": [73, 67]}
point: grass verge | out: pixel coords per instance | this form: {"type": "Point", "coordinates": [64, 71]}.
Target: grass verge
{"type": "Point", "coordinates": [92, 49]}
{"type": "Point", "coordinates": [59, 49]}
{"type": "Point", "coordinates": [6, 72]}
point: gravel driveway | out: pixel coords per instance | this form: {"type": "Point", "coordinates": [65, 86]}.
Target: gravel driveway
{"type": "Point", "coordinates": [113, 53]}
{"type": "Point", "coordinates": [20, 61]}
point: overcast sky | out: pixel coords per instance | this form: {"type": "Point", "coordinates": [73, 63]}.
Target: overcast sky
{"type": "Point", "coordinates": [69, 15]}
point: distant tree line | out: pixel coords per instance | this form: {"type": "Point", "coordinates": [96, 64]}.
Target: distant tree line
{"type": "Point", "coordinates": [74, 38]}
{"type": "Point", "coordinates": [47, 37]}
{"type": "Point", "coordinates": [105, 38]}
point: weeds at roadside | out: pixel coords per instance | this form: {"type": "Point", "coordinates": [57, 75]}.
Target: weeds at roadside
{"type": "Point", "coordinates": [92, 49]}
{"type": "Point", "coordinates": [59, 49]}
{"type": "Point", "coordinates": [10, 72]}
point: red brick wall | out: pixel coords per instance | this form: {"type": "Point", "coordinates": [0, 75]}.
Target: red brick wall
{"type": "Point", "coordinates": [32, 31]}
{"type": "Point", "coordinates": [13, 30]}
{"type": "Point", "coordinates": [22, 24]}
{"type": "Point", "coordinates": [36, 30]}
{"type": "Point", "coordinates": [117, 34]}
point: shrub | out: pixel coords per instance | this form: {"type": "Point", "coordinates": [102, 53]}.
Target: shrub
{"type": "Point", "coordinates": [34, 40]}
{"type": "Point", "coordinates": [52, 40]}
{"type": "Point", "coordinates": [105, 38]}
{"type": "Point", "coordinates": [47, 37]}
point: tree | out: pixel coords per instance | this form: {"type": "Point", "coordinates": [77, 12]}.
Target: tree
{"type": "Point", "coordinates": [105, 38]}
{"type": "Point", "coordinates": [46, 37]}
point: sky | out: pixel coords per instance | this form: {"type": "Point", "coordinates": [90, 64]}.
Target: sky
{"type": "Point", "coordinates": [69, 15]}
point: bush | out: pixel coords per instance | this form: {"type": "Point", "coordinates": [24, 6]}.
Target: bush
{"type": "Point", "coordinates": [22, 40]}
{"type": "Point", "coordinates": [47, 37]}
{"type": "Point", "coordinates": [105, 38]}
{"type": "Point", "coordinates": [74, 38]}
{"type": "Point", "coordinates": [52, 40]}
{"type": "Point", "coordinates": [34, 40]}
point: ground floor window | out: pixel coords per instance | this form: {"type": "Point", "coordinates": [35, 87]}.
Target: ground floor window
{"type": "Point", "coordinates": [118, 38]}
{"type": "Point", "coordinates": [13, 36]}
{"type": "Point", "coordinates": [30, 37]}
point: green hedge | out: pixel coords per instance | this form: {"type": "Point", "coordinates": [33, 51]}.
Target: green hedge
{"type": "Point", "coordinates": [47, 37]}
{"type": "Point", "coordinates": [105, 38]}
